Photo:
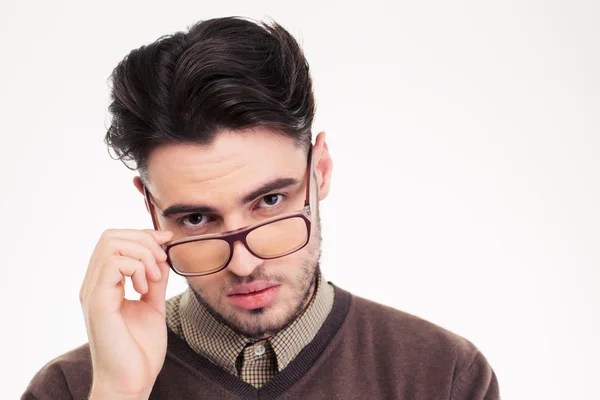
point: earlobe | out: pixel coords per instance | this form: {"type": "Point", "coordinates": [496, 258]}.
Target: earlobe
{"type": "Point", "coordinates": [324, 167]}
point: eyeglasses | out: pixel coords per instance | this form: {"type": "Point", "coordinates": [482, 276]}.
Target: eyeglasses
{"type": "Point", "coordinates": [271, 238]}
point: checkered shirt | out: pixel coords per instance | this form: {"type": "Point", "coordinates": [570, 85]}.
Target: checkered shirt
{"type": "Point", "coordinates": [255, 362]}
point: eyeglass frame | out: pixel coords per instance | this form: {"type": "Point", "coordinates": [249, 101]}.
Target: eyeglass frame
{"type": "Point", "coordinates": [242, 233]}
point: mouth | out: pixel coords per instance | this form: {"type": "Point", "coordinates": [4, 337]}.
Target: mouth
{"type": "Point", "coordinates": [252, 287]}
{"type": "Point", "coordinates": [255, 295]}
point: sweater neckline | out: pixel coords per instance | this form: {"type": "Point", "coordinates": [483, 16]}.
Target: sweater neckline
{"type": "Point", "coordinates": [285, 379]}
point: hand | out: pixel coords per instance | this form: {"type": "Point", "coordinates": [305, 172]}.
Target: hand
{"type": "Point", "coordinates": [127, 338]}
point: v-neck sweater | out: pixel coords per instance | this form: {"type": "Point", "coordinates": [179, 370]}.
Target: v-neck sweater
{"type": "Point", "coordinates": [364, 350]}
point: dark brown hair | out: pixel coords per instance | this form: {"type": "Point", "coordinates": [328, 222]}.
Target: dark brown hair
{"type": "Point", "coordinates": [225, 73]}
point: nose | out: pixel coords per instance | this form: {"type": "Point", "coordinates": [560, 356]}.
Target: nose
{"type": "Point", "coordinates": [242, 262]}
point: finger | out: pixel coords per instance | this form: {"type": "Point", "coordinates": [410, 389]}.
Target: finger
{"type": "Point", "coordinates": [93, 269]}
{"type": "Point", "coordinates": [119, 267]}
{"type": "Point", "coordinates": [108, 292]}
{"type": "Point", "coordinates": [157, 291]}
{"type": "Point", "coordinates": [160, 236]}
{"type": "Point", "coordinates": [138, 277]}
{"type": "Point", "coordinates": [148, 237]}
{"type": "Point", "coordinates": [137, 251]}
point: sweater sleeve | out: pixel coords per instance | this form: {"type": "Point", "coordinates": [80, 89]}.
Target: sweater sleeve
{"type": "Point", "coordinates": [475, 381]}
{"type": "Point", "coordinates": [48, 383]}
{"type": "Point", "coordinates": [66, 377]}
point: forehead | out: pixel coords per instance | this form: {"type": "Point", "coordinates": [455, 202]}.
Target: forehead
{"type": "Point", "coordinates": [235, 163]}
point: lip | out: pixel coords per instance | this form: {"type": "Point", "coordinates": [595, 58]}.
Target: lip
{"type": "Point", "coordinates": [251, 288]}
{"type": "Point", "coordinates": [254, 295]}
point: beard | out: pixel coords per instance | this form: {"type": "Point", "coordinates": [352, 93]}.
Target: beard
{"type": "Point", "coordinates": [260, 323]}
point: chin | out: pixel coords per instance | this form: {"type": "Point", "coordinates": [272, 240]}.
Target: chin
{"type": "Point", "coordinates": [263, 321]}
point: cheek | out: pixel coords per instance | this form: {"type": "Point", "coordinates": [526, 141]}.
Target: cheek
{"type": "Point", "coordinates": [206, 286]}
{"type": "Point", "coordinates": [296, 263]}
{"type": "Point", "coordinates": [291, 263]}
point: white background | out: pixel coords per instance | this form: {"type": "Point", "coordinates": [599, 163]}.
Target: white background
{"type": "Point", "coordinates": [466, 132]}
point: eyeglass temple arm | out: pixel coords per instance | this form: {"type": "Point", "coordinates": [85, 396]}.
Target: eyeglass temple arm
{"type": "Point", "coordinates": [310, 178]}
{"type": "Point", "coordinates": [150, 208]}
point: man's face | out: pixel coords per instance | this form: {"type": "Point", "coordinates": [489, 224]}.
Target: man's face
{"type": "Point", "coordinates": [219, 176]}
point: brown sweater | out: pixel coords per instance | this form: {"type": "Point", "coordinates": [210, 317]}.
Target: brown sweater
{"type": "Point", "coordinates": [364, 350]}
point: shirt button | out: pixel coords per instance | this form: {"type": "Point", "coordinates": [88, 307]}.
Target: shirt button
{"type": "Point", "coordinates": [259, 350]}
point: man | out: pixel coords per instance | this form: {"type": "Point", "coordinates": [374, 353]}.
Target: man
{"type": "Point", "coordinates": [217, 121]}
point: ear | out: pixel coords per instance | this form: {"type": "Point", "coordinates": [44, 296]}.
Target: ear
{"type": "Point", "coordinates": [323, 165]}
{"type": "Point", "coordinates": [137, 181]}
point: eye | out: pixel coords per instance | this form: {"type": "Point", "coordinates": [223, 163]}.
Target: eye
{"type": "Point", "coordinates": [193, 220]}
{"type": "Point", "coordinates": [271, 200]}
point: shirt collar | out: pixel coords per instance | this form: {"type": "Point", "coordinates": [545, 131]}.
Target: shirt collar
{"type": "Point", "coordinates": [220, 344]}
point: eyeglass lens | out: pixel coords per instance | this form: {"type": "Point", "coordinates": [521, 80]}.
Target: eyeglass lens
{"type": "Point", "coordinates": [273, 240]}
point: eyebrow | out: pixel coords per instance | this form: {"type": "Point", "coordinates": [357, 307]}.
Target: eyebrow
{"type": "Point", "coordinates": [276, 184]}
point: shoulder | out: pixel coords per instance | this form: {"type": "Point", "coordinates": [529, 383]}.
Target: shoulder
{"type": "Point", "coordinates": [69, 375]}
{"type": "Point", "coordinates": [407, 342]}
{"type": "Point", "coordinates": [403, 330]}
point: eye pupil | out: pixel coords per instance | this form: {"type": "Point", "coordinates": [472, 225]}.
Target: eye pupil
{"type": "Point", "coordinates": [195, 219]}
{"type": "Point", "coordinates": [271, 199]}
